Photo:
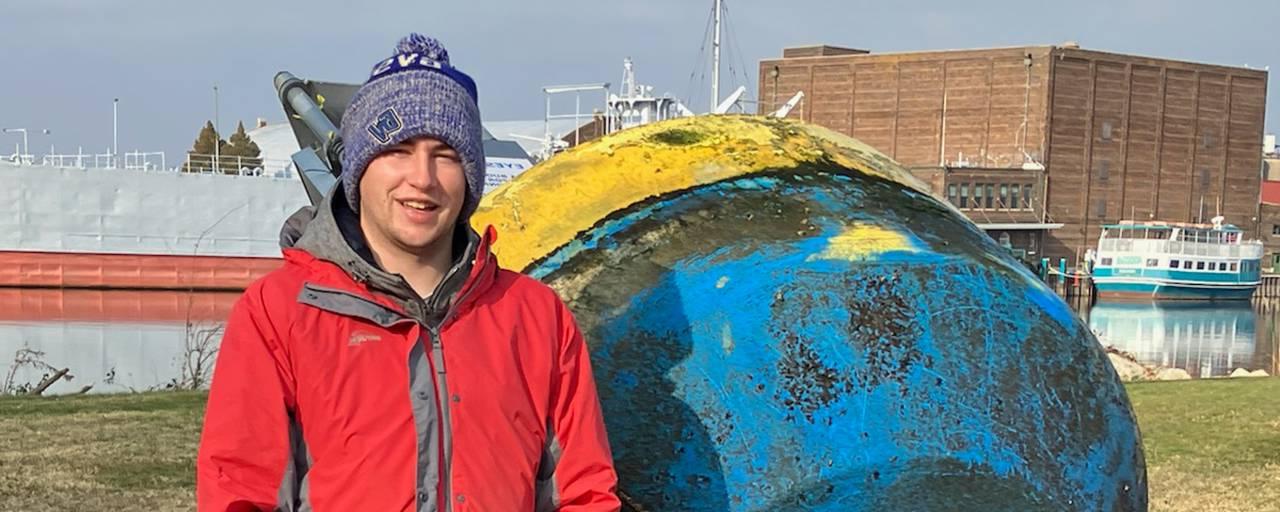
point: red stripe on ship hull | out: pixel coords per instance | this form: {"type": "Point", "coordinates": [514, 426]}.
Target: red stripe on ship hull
{"type": "Point", "coordinates": [131, 271]}
{"type": "Point", "coordinates": [164, 306]}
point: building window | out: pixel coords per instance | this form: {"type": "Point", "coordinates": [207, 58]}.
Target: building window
{"type": "Point", "coordinates": [977, 196]}
{"type": "Point", "coordinates": [1106, 130]}
{"type": "Point", "coordinates": [964, 195]}
{"type": "Point", "coordinates": [991, 193]}
{"type": "Point", "coordinates": [1275, 230]}
{"type": "Point", "coordinates": [1206, 138]}
{"type": "Point", "coordinates": [1204, 178]}
{"type": "Point", "coordinates": [1233, 267]}
{"type": "Point", "coordinates": [1106, 262]}
{"type": "Point", "coordinates": [1152, 262]}
{"type": "Point", "coordinates": [1199, 265]}
{"type": "Point", "coordinates": [1014, 202]}
{"type": "Point", "coordinates": [1100, 208]}
{"type": "Point", "coordinates": [952, 196]}
{"type": "Point", "coordinates": [1186, 265]}
{"type": "Point", "coordinates": [1004, 196]}
{"type": "Point", "coordinates": [1173, 263]}
{"type": "Point", "coordinates": [1026, 197]}
{"type": "Point", "coordinates": [1104, 170]}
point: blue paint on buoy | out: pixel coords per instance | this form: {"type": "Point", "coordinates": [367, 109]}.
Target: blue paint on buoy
{"type": "Point", "coordinates": [744, 367]}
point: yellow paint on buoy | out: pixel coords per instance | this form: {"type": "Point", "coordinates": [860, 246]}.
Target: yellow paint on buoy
{"type": "Point", "coordinates": [863, 242]}
{"type": "Point", "coordinates": [550, 204]}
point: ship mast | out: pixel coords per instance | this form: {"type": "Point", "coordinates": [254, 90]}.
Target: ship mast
{"type": "Point", "coordinates": [715, 60]}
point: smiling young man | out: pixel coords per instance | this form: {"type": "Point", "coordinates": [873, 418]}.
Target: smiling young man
{"type": "Point", "coordinates": [390, 364]}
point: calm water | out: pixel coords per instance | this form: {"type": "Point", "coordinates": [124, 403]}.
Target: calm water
{"type": "Point", "coordinates": [115, 341]}
{"type": "Point", "coordinates": [129, 340]}
{"type": "Point", "coordinates": [1206, 340]}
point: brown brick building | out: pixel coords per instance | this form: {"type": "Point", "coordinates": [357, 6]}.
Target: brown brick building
{"type": "Point", "coordinates": [1043, 144]}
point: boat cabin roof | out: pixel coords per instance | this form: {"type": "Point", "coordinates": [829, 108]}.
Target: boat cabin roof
{"type": "Point", "coordinates": [1167, 226]}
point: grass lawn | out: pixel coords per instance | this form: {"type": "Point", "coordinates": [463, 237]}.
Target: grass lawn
{"type": "Point", "coordinates": [1211, 445]}
{"type": "Point", "coordinates": [99, 452]}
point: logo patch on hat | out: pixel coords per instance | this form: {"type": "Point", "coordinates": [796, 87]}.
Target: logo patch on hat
{"type": "Point", "coordinates": [386, 125]}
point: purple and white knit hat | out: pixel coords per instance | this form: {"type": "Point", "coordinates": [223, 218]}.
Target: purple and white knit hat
{"type": "Point", "coordinates": [416, 92]}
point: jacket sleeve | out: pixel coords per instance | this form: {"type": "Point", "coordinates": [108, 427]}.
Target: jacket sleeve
{"type": "Point", "coordinates": [583, 478]}
{"type": "Point", "coordinates": [244, 455]}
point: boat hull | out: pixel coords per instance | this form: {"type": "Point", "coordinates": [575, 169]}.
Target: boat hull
{"type": "Point", "coordinates": [1153, 289]}
{"type": "Point", "coordinates": [25, 269]}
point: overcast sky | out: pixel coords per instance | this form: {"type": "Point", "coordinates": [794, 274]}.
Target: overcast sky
{"type": "Point", "coordinates": [63, 61]}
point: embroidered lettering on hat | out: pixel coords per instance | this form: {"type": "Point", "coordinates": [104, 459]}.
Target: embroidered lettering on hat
{"type": "Point", "coordinates": [386, 125]}
{"type": "Point", "coordinates": [404, 62]}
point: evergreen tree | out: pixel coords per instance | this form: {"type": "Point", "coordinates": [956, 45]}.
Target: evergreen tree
{"type": "Point", "coordinates": [200, 157]}
{"type": "Point", "coordinates": [242, 151]}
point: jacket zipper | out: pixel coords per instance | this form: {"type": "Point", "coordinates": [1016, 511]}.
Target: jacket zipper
{"type": "Point", "coordinates": [437, 354]}
{"type": "Point", "coordinates": [446, 429]}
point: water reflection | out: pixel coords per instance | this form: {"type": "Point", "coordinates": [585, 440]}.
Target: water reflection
{"type": "Point", "coordinates": [1206, 340]}
{"type": "Point", "coordinates": [135, 340]}
{"type": "Point", "coordinates": [113, 340]}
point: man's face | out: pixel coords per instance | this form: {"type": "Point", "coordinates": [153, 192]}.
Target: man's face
{"type": "Point", "coordinates": [411, 196]}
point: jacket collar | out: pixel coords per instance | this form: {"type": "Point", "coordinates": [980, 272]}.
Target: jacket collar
{"type": "Point", "coordinates": [331, 232]}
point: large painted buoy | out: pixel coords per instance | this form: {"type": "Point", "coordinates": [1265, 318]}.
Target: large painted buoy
{"type": "Point", "coordinates": [782, 318]}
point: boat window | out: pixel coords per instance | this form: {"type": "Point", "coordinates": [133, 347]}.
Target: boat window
{"type": "Point", "coordinates": [1153, 262]}
{"type": "Point", "coordinates": [1186, 265]}
{"type": "Point", "coordinates": [1213, 265]}
{"type": "Point", "coordinates": [1233, 266]}
{"type": "Point", "coordinates": [1106, 262]}
{"type": "Point", "coordinates": [1173, 263]}
{"type": "Point", "coordinates": [1199, 265]}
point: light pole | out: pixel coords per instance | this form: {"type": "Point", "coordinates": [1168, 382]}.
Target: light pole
{"type": "Point", "coordinates": [216, 136]}
{"type": "Point", "coordinates": [115, 132]}
{"type": "Point", "coordinates": [47, 131]}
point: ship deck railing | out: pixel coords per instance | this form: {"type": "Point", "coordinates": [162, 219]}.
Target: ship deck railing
{"type": "Point", "coordinates": [1247, 250]}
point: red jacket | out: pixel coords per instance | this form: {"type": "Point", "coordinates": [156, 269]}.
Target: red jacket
{"type": "Point", "coordinates": [328, 385]}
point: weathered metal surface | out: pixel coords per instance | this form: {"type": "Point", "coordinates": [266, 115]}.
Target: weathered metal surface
{"type": "Point", "coordinates": [781, 319]}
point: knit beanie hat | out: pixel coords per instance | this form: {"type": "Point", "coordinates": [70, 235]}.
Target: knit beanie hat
{"type": "Point", "coordinates": [414, 93]}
